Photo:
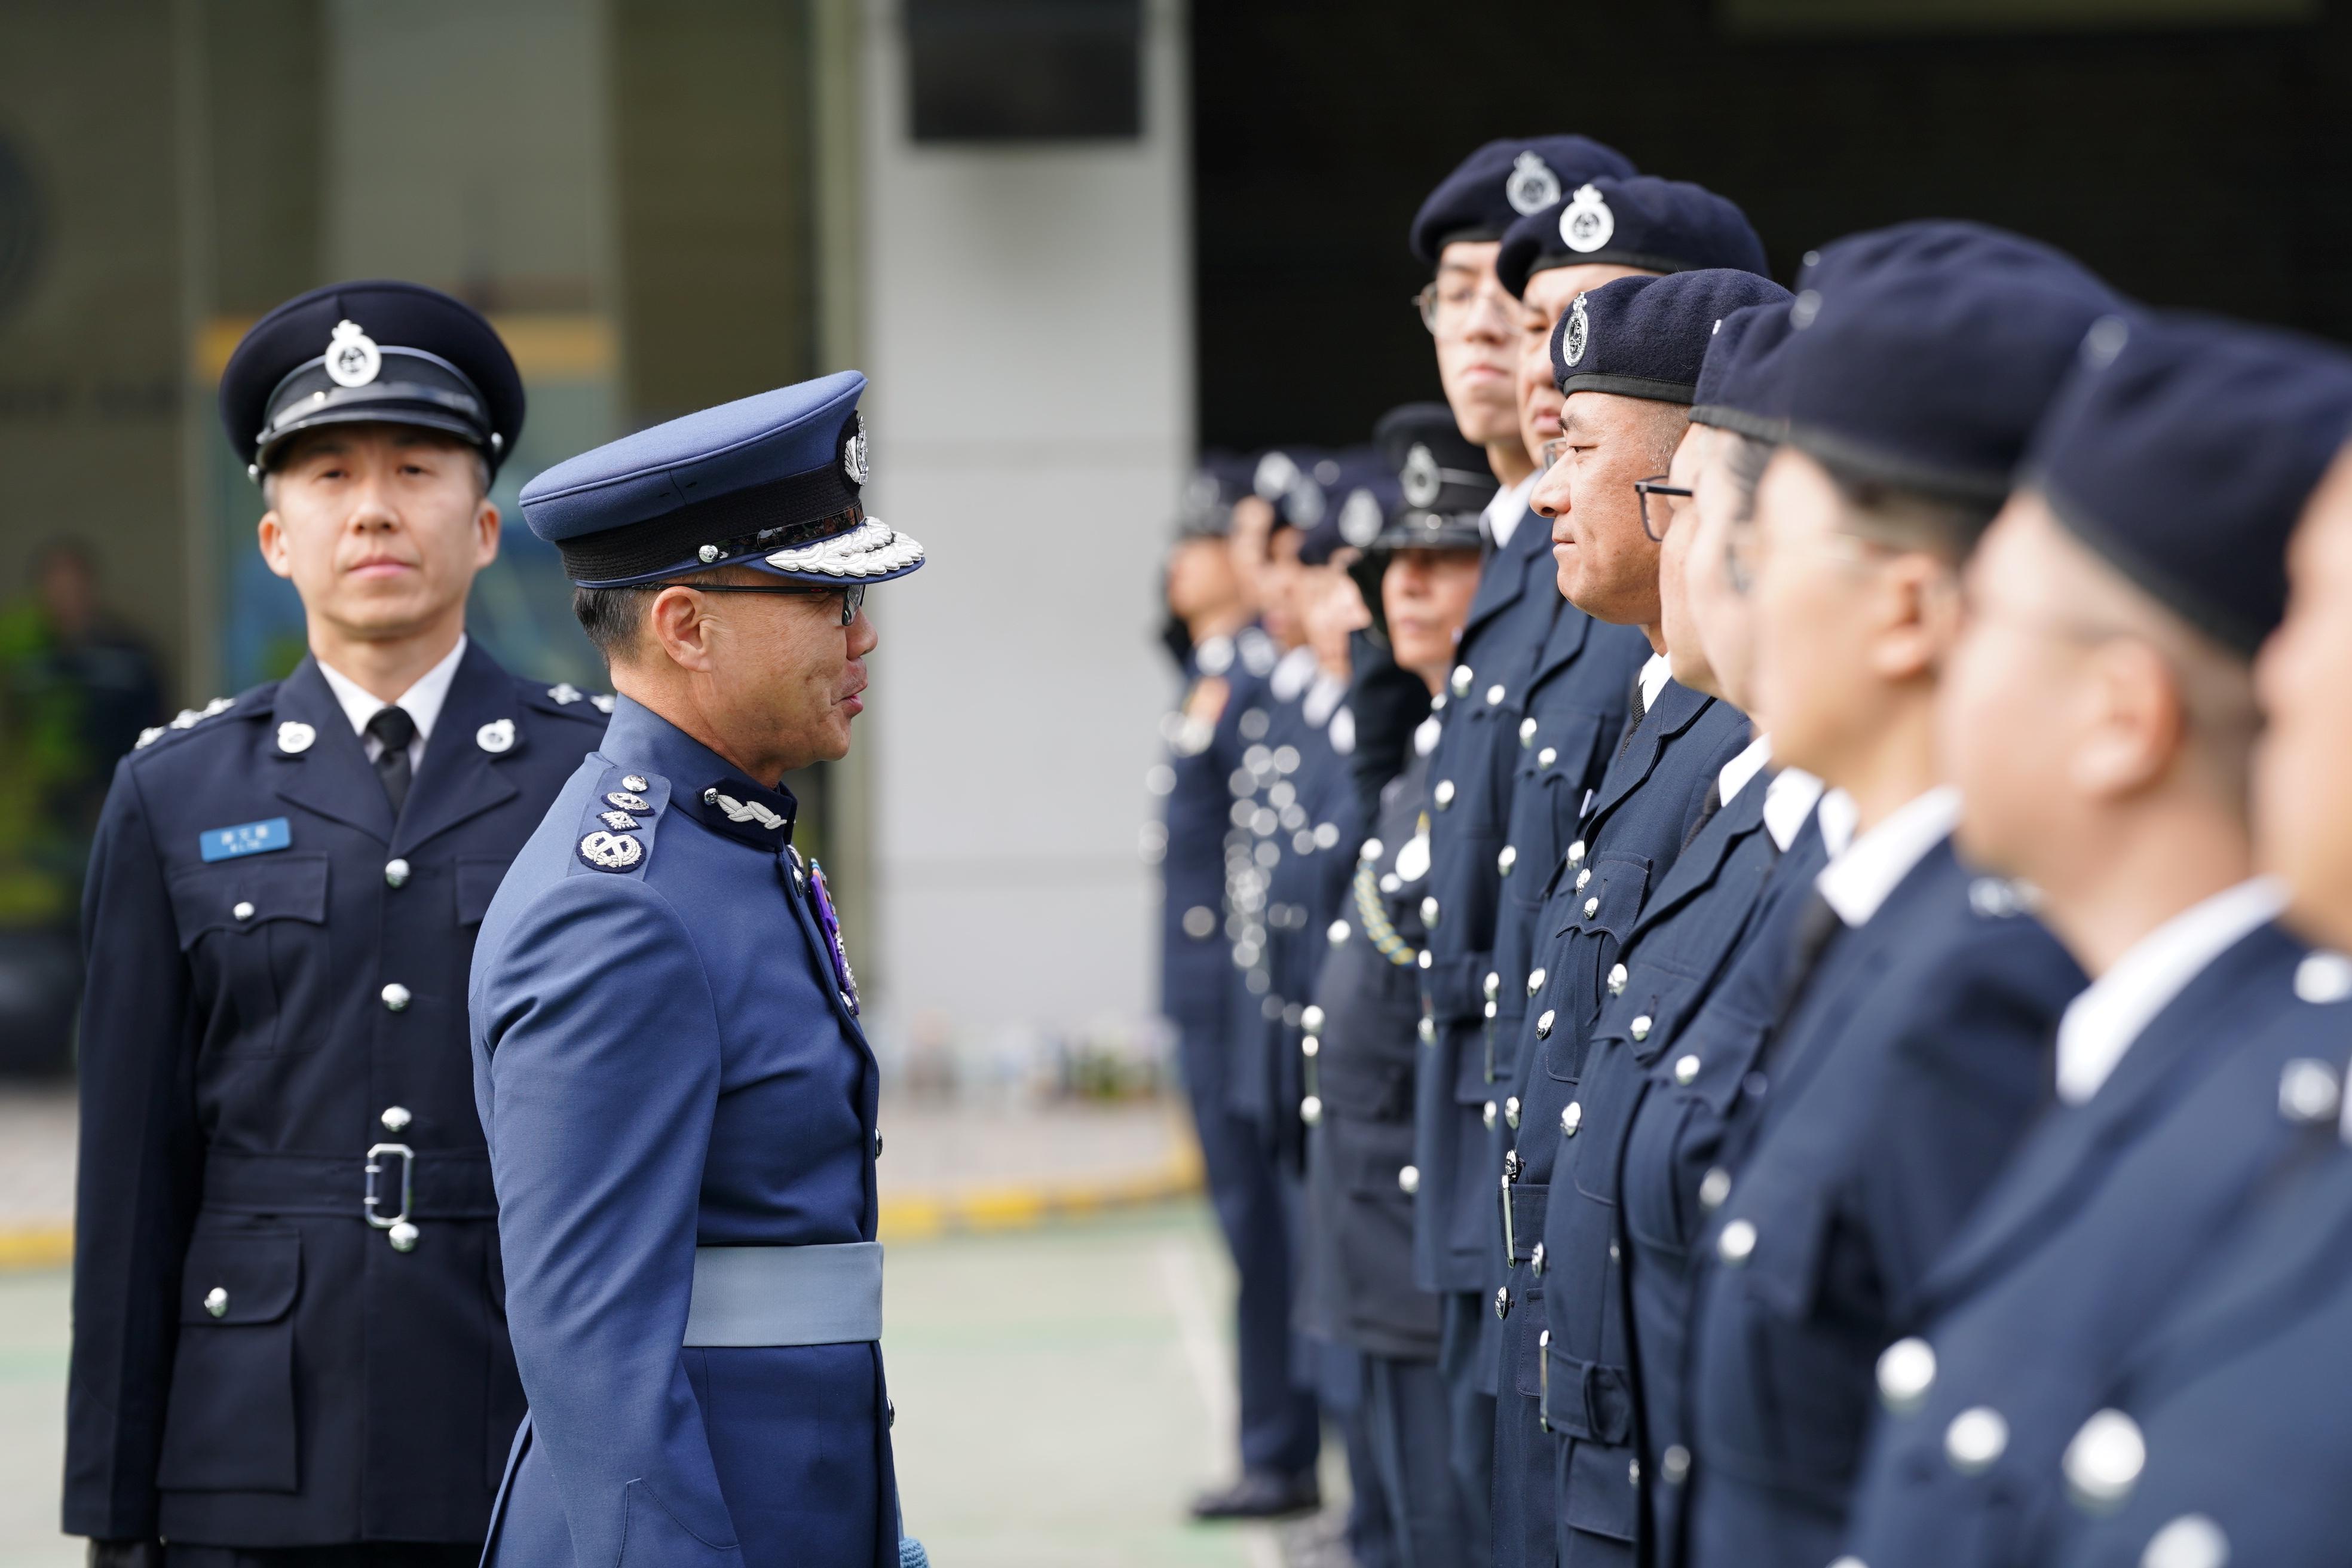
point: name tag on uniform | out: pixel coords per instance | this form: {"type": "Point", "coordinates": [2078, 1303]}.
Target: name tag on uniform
{"type": "Point", "coordinates": [246, 838]}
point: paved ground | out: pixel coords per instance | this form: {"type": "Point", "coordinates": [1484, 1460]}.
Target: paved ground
{"type": "Point", "coordinates": [1060, 1391]}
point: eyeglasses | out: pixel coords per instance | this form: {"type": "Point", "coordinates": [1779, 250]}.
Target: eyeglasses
{"type": "Point", "coordinates": [1449, 314]}
{"type": "Point", "coordinates": [1644, 489]}
{"type": "Point", "coordinates": [852, 598]}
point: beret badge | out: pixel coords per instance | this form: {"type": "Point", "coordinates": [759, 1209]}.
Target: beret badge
{"type": "Point", "coordinates": [853, 450]}
{"type": "Point", "coordinates": [1579, 330]}
{"type": "Point", "coordinates": [1531, 185]}
{"type": "Point", "coordinates": [1419, 476]}
{"type": "Point", "coordinates": [1586, 223]}
{"type": "Point", "coordinates": [352, 358]}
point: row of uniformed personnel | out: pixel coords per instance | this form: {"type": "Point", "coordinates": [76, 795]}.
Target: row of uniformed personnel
{"type": "Point", "coordinates": [1827, 1051]}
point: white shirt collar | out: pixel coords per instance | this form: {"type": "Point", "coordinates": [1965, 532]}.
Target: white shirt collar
{"type": "Point", "coordinates": [1655, 673]}
{"type": "Point", "coordinates": [1742, 768]}
{"type": "Point", "coordinates": [1859, 877]}
{"type": "Point", "coordinates": [422, 701]}
{"type": "Point", "coordinates": [1789, 799]}
{"type": "Point", "coordinates": [1323, 698]}
{"type": "Point", "coordinates": [1291, 676]}
{"type": "Point", "coordinates": [1510, 504]}
{"type": "Point", "coordinates": [2100, 1025]}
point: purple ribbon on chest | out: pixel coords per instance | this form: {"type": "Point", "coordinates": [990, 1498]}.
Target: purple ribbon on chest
{"type": "Point", "coordinates": [831, 923]}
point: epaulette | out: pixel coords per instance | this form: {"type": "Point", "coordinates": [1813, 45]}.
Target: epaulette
{"type": "Point", "coordinates": [563, 698]}
{"type": "Point", "coordinates": [616, 831]}
{"type": "Point", "coordinates": [189, 718]}
{"type": "Point", "coordinates": [2002, 897]}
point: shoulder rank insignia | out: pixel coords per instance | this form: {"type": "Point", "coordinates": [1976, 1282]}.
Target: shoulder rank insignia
{"type": "Point", "coordinates": [609, 838]}
{"type": "Point", "coordinates": [611, 851]}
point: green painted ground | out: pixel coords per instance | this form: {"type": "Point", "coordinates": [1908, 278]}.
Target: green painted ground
{"type": "Point", "coordinates": [1060, 1392]}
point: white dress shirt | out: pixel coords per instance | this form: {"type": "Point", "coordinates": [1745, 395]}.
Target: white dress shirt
{"type": "Point", "coordinates": [421, 701]}
{"type": "Point", "coordinates": [1860, 876]}
{"type": "Point", "coordinates": [1502, 516]}
{"type": "Point", "coordinates": [1742, 768]}
{"type": "Point", "coordinates": [1292, 675]}
{"type": "Point", "coordinates": [1656, 670]}
{"type": "Point", "coordinates": [2100, 1025]}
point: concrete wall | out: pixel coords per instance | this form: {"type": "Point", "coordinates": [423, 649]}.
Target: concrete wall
{"type": "Point", "coordinates": [1028, 329]}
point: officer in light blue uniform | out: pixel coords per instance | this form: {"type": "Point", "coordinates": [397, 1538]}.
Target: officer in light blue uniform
{"type": "Point", "coordinates": [1638, 343]}
{"type": "Point", "coordinates": [667, 1056]}
{"type": "Point", "coordinates": [2170, 472]}
{"type": "Point", "coordinates": [289, 1343]}
{"type": "Point", "coordinates": [1458, 234]}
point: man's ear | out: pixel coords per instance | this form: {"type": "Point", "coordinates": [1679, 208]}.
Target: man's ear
{"type": "Point", "coordinates": [675, 623]}
{"type": "Point", "coordinates": [485, 534]}
{"type": "Point", "coordinates": [269, 533]}
{"type": "Point", "coordinates": [1919, 617]}
{"type": "Point", "coordinates": [2137, 719]}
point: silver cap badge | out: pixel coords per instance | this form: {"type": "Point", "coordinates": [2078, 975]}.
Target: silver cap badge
{"type": "Point", "coordinates": [1532, 186]}
{"type": "Point", "coordinates": [853, 451]}
{"type": "Point", "coordinates": [352, 359]}
{"type": "Point", "coordinates": [1580, 328]}
{"type": "Point", "coordinates": [1419, 477]}
{"type": "Point", "coordinates": [1586, 223]}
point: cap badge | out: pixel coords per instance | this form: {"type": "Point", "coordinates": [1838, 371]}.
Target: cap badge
{"type": "Point", "coordinates": [498, 735]}
{"type": "Point", "coordinates": [1532, 186]}
{"type": "Point", "coordinates": [353, 358]}
{"type": "Point", "coordinates": [1580, 328]}
{"type": "Point", "coordinates": [1420, 476]}
{"type": "Point", "coordinates": [611, 851]}
{"type": "Point", "coordinates": [1587, 223]}
{"type": "Point", "coordinates": [853, 451]}
{"type": "Point", "coordinates": [1359, 518]}
{"type": "Point", "coordinates": [294, 737]}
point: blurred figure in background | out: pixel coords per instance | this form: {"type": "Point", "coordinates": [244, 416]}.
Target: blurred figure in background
{"type": "Point", "coordinates": [1359, 1045]}
{"type": "Point", "coordinates": [76, 687]}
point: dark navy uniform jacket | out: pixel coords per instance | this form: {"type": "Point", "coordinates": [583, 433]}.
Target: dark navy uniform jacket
{"type": "Point", "coordinates": [277, 982]}
{"type": "Point", "coordinates": [1195, 960]}
{"type": "Point", "coordinates": [667, 1055]}
{"type": "Point", "coordinates": [1649, 804]}
{"type": "Point", "coordinates": [1911, 1066]}
{"type": "Point", "coordinates": [1317, 833]}
{"type": "Point", "coordinates": [1279, 741]}
{"type": "Point", "coordinates": [2075, 1255]}
{"type": "Point", "coordinates": [2230, 1427]}
{"type": "Point", "coordinates": [1359, 1289]}
{"type": "Point", "coordinates": [1671, 1175]}
{"type": "Point", "coordinates": [1678, 950]}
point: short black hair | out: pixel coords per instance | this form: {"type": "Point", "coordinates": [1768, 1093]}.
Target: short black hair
{"type": "Point", "coordinates": [610, 617]}
{"type": "Point", "coordinates": [1910, 519]}
{"type": "Point", "coordinates": [1746, 461]}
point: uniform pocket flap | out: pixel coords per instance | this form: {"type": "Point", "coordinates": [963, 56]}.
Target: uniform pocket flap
{"type": "Point", "coordinates": [478, 877]}
{"type": "Point", "coordinates": [247, 893]}
{"type": "Point", "coordinates": [1619, 885]}
{"type": "Point", "coordinates": [241, 1277]}
{"type": "Point", "coordinates": [1603, 1497]}
{"type": "Point", "coordinates": [1785, 1244]}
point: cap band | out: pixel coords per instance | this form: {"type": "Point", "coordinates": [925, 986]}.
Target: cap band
{"type": "Point", "coordinates": [413, 388]}
{"type": "Point", "coordinates": [2209, 615]}
{"type": "Point", "coordinates": [1651, 387]}
{"type": "Point", "coordinates": [796, 510]}
{"type": "Point", "coordinates": [1864, 462]}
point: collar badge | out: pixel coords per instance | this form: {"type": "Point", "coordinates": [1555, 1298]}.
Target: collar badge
{"type": "Point", "coordinates": [353, 358]}
{"type": "Point", "coordinates": [1586, 223]}
{"type": "Point", "coordinates": [1531, 186]}
{"type": "Point", "coordinates": [743, 810]}
{"type": "Point", "coordinates": [498, 735]}
{"type": "Point", "coordinates": [295, 737]}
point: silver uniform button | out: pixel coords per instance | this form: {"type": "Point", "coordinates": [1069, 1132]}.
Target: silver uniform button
{"type": "Point", "coordinates": [1507, 858]}
{"type": "Point", "coordinates": [2308, 1091]}
{"type": "Point", "coordinates": [1641, 1029]}
{"type": "Point", "coordinates": [1582, 878]}
{"type": "Point", "coordinates": [1907, 1371]}
{"type": "Point", "coordinates": [1526, 733]}
{"type": "Point", "coordinates": [1736, 1244]}
{"type": "Point", "coordinates": [1502, 1300]}
{"type": "Point", "coordinates": [1461, 681]}
{"type": "Point", "coordinates": [1543, 1024]}
{"type": "Point", "coordinates": [1975, 1439]}
{"type": "Point", "coordinates": [1713, 1188]}
{"type": "Point", "coordinates": [1488, 1115]}
{"type": "Point", "coordinates": [1686, 1068]}
{"type": "Point", "coordinates": [1310, 1109]}
{"type": "Point", "coordinates": [1617, 978]}
{"type": "Point", "coordinates": [1337, 933]}
{"type": "Point", "coordinates": [2104, 1461]}
{"type": "Point", "coordinates": [402, 1237]}
{"type": "Point", "coordinates": [1633, 1471]}
{"type": "Point", "coordinates": [878, 1142]}
{"type": "Point", "coordinates": [1494, 985]}
{"type": "Point", "coordinates": [2192, 1540]}
{"type": "Point", "coordinates": [1425, 960]}
{"type": "Point", "coordinates": [636, 782]}
{"type": "Point", "coordinates": [1429, 911]}
{"type": "Point", "coordinates": [1409, 1178]}
{"type": "Point", "coordinates": [1428, 1030]}
{"type": "Point", "coordinates": [1548, 756]}
{"type": "Point", "coordinates": [1675, 1464]}
{"type": "Point", "coordinates": [2321, 978]}
{"type": "Point", "coordinates": [1591, 908]}
{"type": "Point", "coordinates": [1576, 853]}
{"type": "Point", "coordinates": [1494, 695]}
{"type": "Point", "coordinates": [1444, 794]}
{"type": "Point", "coordinates": [1535, 981]}
{"type": "Point", "coordinates": [396, 1119]}
{"type": "Point", "coordinates": [243, 911]}
{"type": "Point", "coordinates": [1311, 1020]}
{"type": "Point", "coordinates": [217, 1302]}
{"type": "Point", "coordinates": [396, 997]}
{"type": "Point", "coordinates": [1571, 1117]}
{"type": "Point", "coordinates": [1511, 1111]}
{"type": "Point", "coordinates": [1309, 1046]}
{"type": "Point", "coordinates": [396, 873]}
{"type": "Point", "coordinates": [1536, 1265]}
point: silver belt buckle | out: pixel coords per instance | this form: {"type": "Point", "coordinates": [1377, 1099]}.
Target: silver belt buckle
{"type": "Point", "coordinates": [404, 1231]}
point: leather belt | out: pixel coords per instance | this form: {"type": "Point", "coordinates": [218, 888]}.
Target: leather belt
{"type": "Point", "coordinates": [444, 1183]}
{"type": "Point", "coordinates": [816, 1295]}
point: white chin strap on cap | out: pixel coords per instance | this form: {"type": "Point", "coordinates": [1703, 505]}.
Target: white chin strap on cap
{"type": "Point", "coordinates": [872, 549]}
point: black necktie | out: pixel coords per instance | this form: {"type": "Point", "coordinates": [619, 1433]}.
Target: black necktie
{"type": "Point", "coordinates": [1707, 810]}
{"type": "Point", "coordinates": [1817, 926]}
{"type": "Point", "coordinates": [1634, 708]}
{"type": "Point", "coordinates": [393, 729]}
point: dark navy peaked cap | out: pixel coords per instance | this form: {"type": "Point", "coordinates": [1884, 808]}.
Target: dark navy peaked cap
{"type": "Point", "coordinates": [1738, 389]}
{"type": "Point", "coordinates": [1357, 506]}
{"type": "Point", "coordinates": [1932, 376]}
{"type": "Point", "coordinates": [2182, 450]}
{"type": "Point", "coordinates": [1443, 483]}
{"type": "Point", "coordinates": [1505, 181]}
{"type": "Point", "coordinates": [371, 352]}
{"type": "Point", "coordinates": [1206, 509]}
{"type": "Point", "coordinates": [1659, 225]}
{"type": "Point", "coordinates": [769, 481]}
{"type": "Point", "coordinates": [1647, 337]}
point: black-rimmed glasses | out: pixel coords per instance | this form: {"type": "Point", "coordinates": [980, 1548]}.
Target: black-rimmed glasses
{"type": "Point", "coordinates": [853, 595]}
{"type": "Point", "coordinates": [1644, 489]}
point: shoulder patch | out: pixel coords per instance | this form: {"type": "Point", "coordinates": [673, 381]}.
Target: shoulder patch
{"type": "Point", "coordinates": [616, 830]}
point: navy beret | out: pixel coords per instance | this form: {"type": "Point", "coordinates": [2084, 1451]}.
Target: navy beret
{"type": "Point", "coordinates": [1932, 376]}
{"type": "Point", "coordinates": [1945, 242]}
{"type": "Point", "coordinates": [1358, 501]}
{"type": "Point", "coordinates": [1738, 387]}
{"type": "Point", "coordinates": [2182, 450]}
{"type": "Point", "coordinates": [1444, 481]}
{"type": "Point", "coordinates": [1659, 225]}
{"type": "Point", "coordinates": [376, 352]}
{"type": "Point", "coordinates": [1502, 182]}
{"type": "Point", "coordinates": [1647, 337]}
{"type": "Point", "coordinates": [769, 481]}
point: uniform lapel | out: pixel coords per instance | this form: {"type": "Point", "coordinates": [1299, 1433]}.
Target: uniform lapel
{"type": "Point", "coordinates": [1677, 708]}
{"type": "Point", "coordinates": [459, 779]}
{"type": "Point", "coordinates": [2054, 1172]}
{"type": "Point", "coordinates": [1504, 580]}
{"type": "Point", "coordinates": [330, 776]}
{"type": "Point", "coordinates": [1695, 869]}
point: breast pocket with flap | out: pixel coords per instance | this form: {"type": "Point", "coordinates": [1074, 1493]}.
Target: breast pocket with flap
{"type": "Point", "coordinates": [254, 932]}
